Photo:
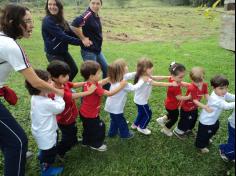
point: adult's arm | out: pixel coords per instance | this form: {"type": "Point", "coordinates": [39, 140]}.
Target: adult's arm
{"type": "Point", "coordinates": [38, 83]}
{"type": "Point", "coordinates": [52, 28]}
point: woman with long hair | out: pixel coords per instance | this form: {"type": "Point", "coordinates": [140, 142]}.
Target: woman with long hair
{"type": "Point", "coordinates": [57, 35]}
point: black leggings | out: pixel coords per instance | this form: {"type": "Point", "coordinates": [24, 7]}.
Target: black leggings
{"type": "Point", "coordinates": [173, 116]}
{"type": "Point", "coordinates": [67, 58]}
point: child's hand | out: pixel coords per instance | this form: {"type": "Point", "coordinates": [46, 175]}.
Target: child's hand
{"type": "Point", "coordinates": [92, 88]}
{"type": "Point", "coordinates": [208, 109]}
{"type": "Point", "coordinates": [175, 84]}
{"type": "Point", "coordinates": [123, 83]}
{"type": "Point", "coordinates": [189, 96]}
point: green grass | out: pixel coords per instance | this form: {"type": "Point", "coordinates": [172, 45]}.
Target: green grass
{"type": "Point", "coordinates": [194, 45]}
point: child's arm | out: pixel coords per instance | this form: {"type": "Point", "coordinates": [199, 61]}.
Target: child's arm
{"type": "Point", "coordinates": [207, 96]}
{"type": "Point", "coordinates": [199, 104]}
{"type": "Point", "coordinates": [57, 105]}
{"type": "Point", "coordinates": [163, 84]}
{"type": "Point", "coordinates": [104, 82]}
{"type": "Point", "coordinates": [160, 78]}
{"type": "Point", "coordinates": [78, 84]}
{"type": "Point", "coordinates": [131, 87]}
{"type": "Point", "coordinates": [91, 89]}
{"type": "Point", "coordinates": [183, 98]}
{"type": "Point", "coordinates": [115, 91]}
{"type": "Point", "coordinates": [227, 106]}
{"type": "Point", "coordinates": [230, 97]}
{"type": "Point", "coordinates": [185, 84]}
{"type": "Point", "coordinates": [129, 76]}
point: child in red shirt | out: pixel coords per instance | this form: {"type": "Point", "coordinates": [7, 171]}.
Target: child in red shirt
{"type": "Point", "coordinates": [94, 127]}
{"type": "Point", "coordinates": [174, 99]}
{"type": "Point", "coordinates": [67, 119]}
{"type": "Point", "coordinates": [189, 110]}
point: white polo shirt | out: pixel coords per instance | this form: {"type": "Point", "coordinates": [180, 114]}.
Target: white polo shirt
{"type": "Point", "coordinates": [217, 104]}
{"type": "Point", "coordinates": [44, 124]}
{"type": "Point", "coordinates": [116, 103]}
{"type": "Point", "coordinates": [12, 58]}
{"type": "Point", "coordinates": [142, 94]}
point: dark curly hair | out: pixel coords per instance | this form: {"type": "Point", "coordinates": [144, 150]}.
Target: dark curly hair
{"type": "Point", "coordinates": [11, 17]}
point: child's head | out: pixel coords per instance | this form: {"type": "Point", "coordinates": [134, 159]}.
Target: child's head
{"type": "Point", "coordinates": [44, 75]}
{"type": "Point", "coordinates": [197, 75]}
{"type": "Point", "coordinates": [91, 71]}
{"type": "Point", "coordinates": [144, 68]}
{"type": "Point", "coordinates": [220, 85]}
{"type": "Point", "coordinates": [59, 71]}
{"type": "Point", "coordinates": [177, 71]}
{"type": "Point", "coordinates": [117, 70]}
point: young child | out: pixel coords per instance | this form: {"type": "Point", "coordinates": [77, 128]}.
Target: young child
{"type": "Point", "coordinates": [60, 72]}
{"type": "Point", "coordinates": [93, 126]}
{"type": "Point", "coordinates": [227, 151]}
{"type": "Point", "coordinates": [209, 122]}
{"type": "Point", "coordinates": [44, 125]}
{"type": "Point", "coordinates": [117, 72]}
{"type": "Point", "coordinates": [142, 94]}
{"type": "Point", "coordinates": [174, 99]}
{"type": "Point", "coordinates": [189, 110]}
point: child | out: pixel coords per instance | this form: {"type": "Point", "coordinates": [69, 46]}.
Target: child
{"type": "Point", "coordinates": [115, 105]}
{"type": "Point", "coordinates": [227, 151]}
{"type": "Point", "coordinates": [94, 127]}
{"type": "Point", "coordinates": [174, 99]}
{"type": "Point", "coordinates": [44, 125]}
{"type": "Point", "coordinates": [189, 110]}
{"type": "Point", "coordinates": [209, 122]}
{"type": "Point", "coordinates": [142, 94]}
{"type": "Point", "coordinates": [60, 72]}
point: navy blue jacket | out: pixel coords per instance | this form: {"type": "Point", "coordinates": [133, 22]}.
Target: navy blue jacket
{"type": "Point", "coordinates": [92, 28]}
{"type": "Point", "coordinates": [56, 38]}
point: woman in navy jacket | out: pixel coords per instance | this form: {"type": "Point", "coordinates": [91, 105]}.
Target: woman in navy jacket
{"type": "Point", "coordinates": [89, 28]}
{"type": "Point", "coordinates": [57, 35]}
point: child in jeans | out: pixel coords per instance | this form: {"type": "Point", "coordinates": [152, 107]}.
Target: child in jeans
{"type": "Point", "coordinates": [227, 151]}
{"type": "Point", "coordinates": [174, 99]}
{"type": "Point", "coordinates": [189, 109]}
{"type": "Point", "coordinates": [66, 120]}
{"type": "Point", "coordinates": [219, 100]}
{"type": "Point", "coordinates": [44, 125]}
{"type": "Point", "coordinates": [93, 126]}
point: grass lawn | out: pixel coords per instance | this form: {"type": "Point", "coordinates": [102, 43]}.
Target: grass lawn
{"type": "Point", "coordinates": [163, 35]}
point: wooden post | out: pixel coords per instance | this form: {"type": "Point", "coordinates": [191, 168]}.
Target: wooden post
{"type": "Point", "coordinates": [227, 37]}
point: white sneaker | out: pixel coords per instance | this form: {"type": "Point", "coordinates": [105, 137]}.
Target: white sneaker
{"type": "Point", "coordinates": [167, 132]}
{"type": "Point", "coordinates": [29, 154]}
{"type": "Point", "coordinates": [162, 121]}
{"type": "Point", "coordinates": [134, 127]}
{"type": "Point", "coordinates": [205, 150]}
{"type": "Point", "coordinates": [103, 148]}
{"type": "Point", "coordinates": [211, 141]}
{"type": "Point", "coordinates": [144, 131]}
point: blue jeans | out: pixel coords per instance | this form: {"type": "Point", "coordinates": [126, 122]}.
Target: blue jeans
{"type": "Point", "coordinates": [100, 58]}
{"type": "Point", "coordinates": [229, 148]}
{"type": "Point", "coordinates": [119, 125]}
{"type": "Point", "coordinates": [144, 116]}
{"type": "Point", "coordinates": [13, 143]}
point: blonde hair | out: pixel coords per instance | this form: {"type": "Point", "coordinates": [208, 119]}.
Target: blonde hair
{"type": "Point", "coordinates": [143, 65]}
{"type": "Point", "coordinates": [116, 70]}
{"type": "Point", "coordinates": [197, 74]}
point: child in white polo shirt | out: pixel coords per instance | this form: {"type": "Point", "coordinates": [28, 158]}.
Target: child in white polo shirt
{"type": "Point", "coordinates": [219, 100]}
{"type": "Point", "coordinates": [44, 124]}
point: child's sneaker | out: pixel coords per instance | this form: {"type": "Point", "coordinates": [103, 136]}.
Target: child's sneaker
{"type": "Point", "coordinates": [224, 158]}
{"type": "Point", "coordinates": [130, 136]}
{"type": "Point", "coordinates": [211, 141]}
{"type": "Point", "coordinates": [103, 148]}
{"type": "Point", "coordinates": [178, 135]}
{"type": "Point", "coordinates": [162, 121]}
{"type": "Point", "coordinates": [47, 170]}
{"type": "Point", "coordinates": [144, 131]}
{"type": "Point", "coordinates": [167, 132]}
{"type": "Point", "coordinates": [29, 154]}
{"type": "Point", "coordinates": [134, 127]}
{"type": "Point", "coordinates": [205, 150]}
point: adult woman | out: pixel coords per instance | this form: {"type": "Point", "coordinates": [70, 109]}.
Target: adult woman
{"type": "Point", "coordinates": [15, 23]}
{"type": "Point", "coordinates": [91, 34]}
{"type": "Point", "coordinates": [57, 35]}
